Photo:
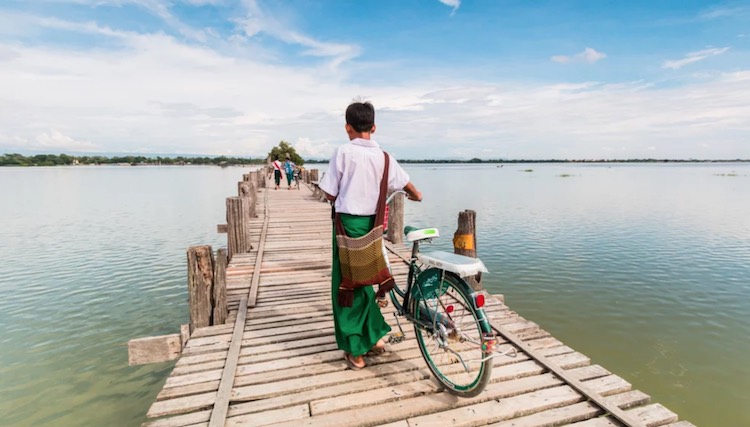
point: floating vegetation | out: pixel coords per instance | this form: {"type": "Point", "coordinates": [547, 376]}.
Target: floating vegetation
{"type": "Point", "coordinates": [565, 175]}
{"type": "Point", "coordinates": [726, 174]}
{"type": "Point", "coordinates": [528, 170]}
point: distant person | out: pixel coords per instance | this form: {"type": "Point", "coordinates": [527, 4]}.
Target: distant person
{"type": "Point", "coordinates": [289, 171]}
{"type": "Point", "coordinates": [277, 171]}
{"type": "Point", "coordinates": [353, 184]}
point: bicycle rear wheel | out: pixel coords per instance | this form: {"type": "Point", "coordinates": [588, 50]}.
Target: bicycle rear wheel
{"type": "Point", "coordinates": [449, 331]}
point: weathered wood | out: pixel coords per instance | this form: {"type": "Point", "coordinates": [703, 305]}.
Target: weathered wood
{"type": "Point", "coordinates": [154, 349]}
{"type": "Point", "coordinates": [221, 228]}
{"type": "Point", "coordinates": [200, 285]}
{"type": "Point", "coordinates": [465, 242]}
{"type": "Point", "coordinates": [313, 175]}
{"type": "Point", "coordinates": [245, 189]}
{"type": "Point", "coordinates": [253, 294]}
{"type": "Point", "coordinates": [278, 362]}
{"type": "Point", "coordinates": [240, 210]}
{"type": "Point", "coordinates": [555, 366]}
{"type": "Point", "coordinates": [219, 414]}
{"type": "Point", "coordinates": [396, 219]}
{"type": "Point", "coordinates": [184, 334]}
{"type": "Point", "coordinates": [260, 176]}
{"type": "Point", "coordinates": [220, 288]}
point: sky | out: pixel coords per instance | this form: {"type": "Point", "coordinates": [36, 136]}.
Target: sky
{"type": "Point", "coordinates": [449, 79]}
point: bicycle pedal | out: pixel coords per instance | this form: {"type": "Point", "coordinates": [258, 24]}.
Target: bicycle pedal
{"type": "Point", "coordinates": [396, 337]}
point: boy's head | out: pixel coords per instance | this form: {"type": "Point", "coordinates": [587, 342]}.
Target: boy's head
{"type": "Point", "coordinates": [360, 118]}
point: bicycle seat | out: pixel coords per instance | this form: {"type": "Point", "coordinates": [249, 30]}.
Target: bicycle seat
{"type": "Point", "coordinates": [462, 265]}
{"type": "Point", "coordinates": [414, 234]}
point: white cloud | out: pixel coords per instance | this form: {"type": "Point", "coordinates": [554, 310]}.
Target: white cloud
{"type": "Point", "coordinates": [155, 93]}
{"type": "Point", "coordinates": [693, 57]}
{"type": "Point", "coordinates": [588, 56]}
{"type": "Point", "coordinates": [55, 140]}
{"type": "Point", "coordinates": [258, 21]}
{"type": "Point", "coordinates": [455, 4]}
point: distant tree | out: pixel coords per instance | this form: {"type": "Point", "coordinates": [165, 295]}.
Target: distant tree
{"type": "Point", "coordinates": [284, 149]}
{"type": "Point", "coordinates": [475, 160]}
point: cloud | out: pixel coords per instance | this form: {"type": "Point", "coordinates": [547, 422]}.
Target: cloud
{"type": "Point", "coordinates": [723, 12]}
{"type": "Point", "coordinates": [588, 56]}
{"type": "Point", "coordinates": [455, 4]}
{"type": "Point", "coordinates": [55, 140]}
{"type": "Point", "coordinates": [258, 21]}
{"type": "Point", "coordinates": [164, 93]}
{"type": "Point", "coordinates": [693, 57]}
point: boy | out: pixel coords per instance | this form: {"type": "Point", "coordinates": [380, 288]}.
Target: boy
{"type": "Point", "coordinates": [353, 184]}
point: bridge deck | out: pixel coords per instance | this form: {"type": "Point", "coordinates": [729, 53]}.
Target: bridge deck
{"type": "Point", "coordinates": [284, 368]}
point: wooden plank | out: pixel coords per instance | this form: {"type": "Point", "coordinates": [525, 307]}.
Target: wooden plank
{"type": "Point", "coordinates": [438, 403]}
{"type": "Point", "coordinates": [154, 349]}
{"type": "Point", "coordinates": [180, 420]}
{"type": "Point", "coordinates": [219, 414]}
{"type": "Point", "coordinates": [181, 405]}
{"type": "Point", "coordinates": [253, 295]}
{"type": "Point", "coordinates": [619, 414]}
{"type": "Point", "coordinates": [297, 412]}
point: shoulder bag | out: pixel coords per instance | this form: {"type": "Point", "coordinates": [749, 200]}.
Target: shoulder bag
{"type": "Point", "coordinates": [361, 258]}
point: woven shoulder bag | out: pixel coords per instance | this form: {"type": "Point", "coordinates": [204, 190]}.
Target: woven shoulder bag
{"type": "Point", "coordinates": [361, 258]}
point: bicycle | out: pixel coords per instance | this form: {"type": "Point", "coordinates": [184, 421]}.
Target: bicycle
{"type": "Point", "coordinates": [453, 333]}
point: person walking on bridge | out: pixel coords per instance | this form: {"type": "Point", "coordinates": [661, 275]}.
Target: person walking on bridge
{"type": "Point", "coordinates": [352, 183]}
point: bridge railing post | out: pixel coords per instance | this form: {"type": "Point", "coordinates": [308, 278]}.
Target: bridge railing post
{"type": "Point", "coordinates": [240, 210]}
{"type": "Point", "coordinates": [396, 219]}
{"type": "Point", "coordinates": [465, 242]}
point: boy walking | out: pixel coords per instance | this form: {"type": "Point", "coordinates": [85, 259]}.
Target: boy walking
{"type": "Point", "coordinates": [353, 184]}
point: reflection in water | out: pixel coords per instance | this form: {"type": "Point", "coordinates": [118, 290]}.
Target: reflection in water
{"type": "Point", "coordinates": [643, 268]}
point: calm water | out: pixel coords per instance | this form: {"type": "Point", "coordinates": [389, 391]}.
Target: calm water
{"type": "Point", "coordinates": [644, 268]}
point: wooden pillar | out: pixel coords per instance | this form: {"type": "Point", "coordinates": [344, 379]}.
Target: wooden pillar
{"type": "Point", "coordinates": [247, 189]}
{"type": "Point", "coordinates": [465, 242]}
{"type": "Point", "coordinates": [220, 311]}
{"type": "Point", "coordinates": [260, 176]}
{"type": "Point", "coordinates": [396, 219]}
{"type": "Point", "coordinates": [238, 225]}
{"type": "Point", "coordinates": [200, 285]}
{"type": "Point", "coordinates": [246, 177]}
{"type": "Point", "coordinates": [313, 175]}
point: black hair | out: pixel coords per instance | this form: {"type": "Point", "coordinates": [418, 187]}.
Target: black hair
{"type": "Point", "coordinates": [360, 116]}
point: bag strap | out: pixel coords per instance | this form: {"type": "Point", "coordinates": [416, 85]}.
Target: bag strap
{"type": "Point", "coordinates": [380, 212]}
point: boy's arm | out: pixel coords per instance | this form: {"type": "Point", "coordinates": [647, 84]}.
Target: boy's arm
{"type": "Point", "coordinates": [412, 192]}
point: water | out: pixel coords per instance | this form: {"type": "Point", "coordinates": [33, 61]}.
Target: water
{"type": "Point", "coordinates": [643, 268]}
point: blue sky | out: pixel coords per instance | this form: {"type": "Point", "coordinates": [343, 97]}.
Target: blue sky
{"type": "Point", "coordinates": [449, 78]}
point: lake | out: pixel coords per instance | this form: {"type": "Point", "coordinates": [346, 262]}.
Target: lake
{"type": "Point", "coordinates": [645, 268]}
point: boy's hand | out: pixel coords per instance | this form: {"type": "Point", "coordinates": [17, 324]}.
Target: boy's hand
{"type": "Point", "coordinates": [416, 196]}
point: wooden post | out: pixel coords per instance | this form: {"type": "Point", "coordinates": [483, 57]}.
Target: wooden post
{"type": "Point", "coordinates": [200, 285]}
{"type": "Point", "coordinates": [247, 189]}
{"type": "Point", "coordinates": [313, 175]}
{"type": "Point", "coordinates": [239, 215]}
{"type": "Point", "coordinates": [220, 288]}
{"type": "Point", "coordinates": [246, 177]}
{"type": "Point", "coordinates": [396, 219]}
{"type": "Point", "coordinates": [260, 176]}
{"type": "Point", "coordinates": [465, 242]}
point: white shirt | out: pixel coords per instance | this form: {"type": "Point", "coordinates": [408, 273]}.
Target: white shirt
{"type": "Point", "coordinates": [354, 175]}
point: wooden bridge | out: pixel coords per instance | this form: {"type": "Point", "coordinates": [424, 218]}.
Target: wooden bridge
{"type": "Point", "coordinates": [275, 361]}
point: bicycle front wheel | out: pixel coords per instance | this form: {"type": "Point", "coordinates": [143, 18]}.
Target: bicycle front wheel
{"type": "Point", "coordinates": [449, 331]}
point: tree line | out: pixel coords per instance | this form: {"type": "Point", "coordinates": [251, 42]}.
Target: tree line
{"type": "Point", "coordinates": [16, 159]}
